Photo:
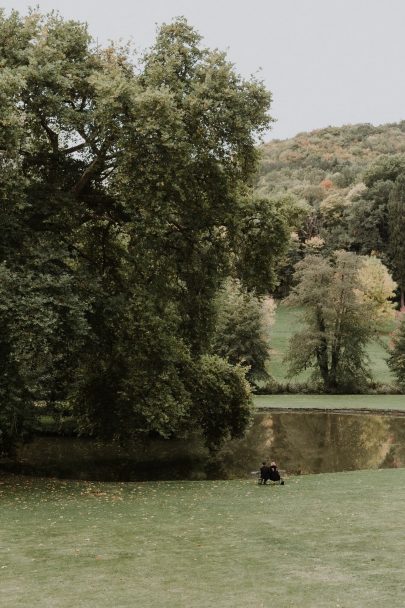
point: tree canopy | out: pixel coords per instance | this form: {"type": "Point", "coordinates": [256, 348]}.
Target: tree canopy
{"type": "Point", "coordinates": [350, 177]}
{"type": "Point", "coordinates": [345, 302]}
{"type": "Point", "coordinates": [125, 201]}
{"type": "Point", "coordinates": [396, 360]}
{"type": "Point", "coordinates": [242, 331]}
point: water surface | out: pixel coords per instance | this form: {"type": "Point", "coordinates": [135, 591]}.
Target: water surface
{"type": "Point", "coordinates": [320, 442]}
{"type": "Point", "coordinates": [300, 442]}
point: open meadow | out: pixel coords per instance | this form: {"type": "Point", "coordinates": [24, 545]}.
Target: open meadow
{"type": "Point", "coordinates": [319, 541]}
{"type": "Point", "coordinates": [332, 402]}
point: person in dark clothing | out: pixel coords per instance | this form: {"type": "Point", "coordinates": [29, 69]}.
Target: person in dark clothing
{"type": "Point", "coordinates": [274, 474]}
{"type": "Point", "coordinates": [264, 474]}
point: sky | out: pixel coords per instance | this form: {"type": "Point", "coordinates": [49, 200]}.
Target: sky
{"type": "Point", "coordinates": [326, 62]}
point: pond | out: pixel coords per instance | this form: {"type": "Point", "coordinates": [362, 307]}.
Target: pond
{"type": "Point", "coordinates": [300, 442]}
{"type": "Point", "coordinates": [321, 442]}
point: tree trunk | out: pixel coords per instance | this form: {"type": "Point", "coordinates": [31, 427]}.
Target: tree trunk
{"type": "Point", "coordinates": [322, 350]}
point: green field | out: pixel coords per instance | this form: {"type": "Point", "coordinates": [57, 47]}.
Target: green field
{"type": "Point", "coordinates": [332, 402]}
{"type": "Point", "coordinates": [319, 541]}
{"type": "Point", "coordinates": [287, 323]}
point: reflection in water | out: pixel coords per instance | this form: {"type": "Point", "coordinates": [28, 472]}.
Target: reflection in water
{"type": "Point", "coordinates": [300, 442]}
{"type": "Point", "coordinates": [312, 442]}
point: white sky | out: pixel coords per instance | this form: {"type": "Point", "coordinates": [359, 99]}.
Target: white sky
{"type": "Point", "coordinates": [327, 62]}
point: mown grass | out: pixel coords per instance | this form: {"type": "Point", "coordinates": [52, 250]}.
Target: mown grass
{"type": "Point", "coordinates": [287, 323]}
{"type": "Point", "coordinates": [319, 541]}
{"type": "Point", "coordinates": [332, 402]}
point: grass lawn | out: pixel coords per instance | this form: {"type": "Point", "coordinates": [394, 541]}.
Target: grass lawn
{"type": "Point", "coordinates": [331, 402]}
{"type": "Point", "coordinates": [287, 323]}
{"type": "Point", "coordinates": [319, 541]}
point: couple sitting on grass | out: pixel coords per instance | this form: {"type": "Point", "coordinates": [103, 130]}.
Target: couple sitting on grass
{"type": "Point", "coordinates": [270, 473]}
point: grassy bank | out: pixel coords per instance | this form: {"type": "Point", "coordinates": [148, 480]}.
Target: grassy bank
{"type": "Point", "coordinates": [326, 540]}
{"type": "Point", "coordinates": [332, 402]}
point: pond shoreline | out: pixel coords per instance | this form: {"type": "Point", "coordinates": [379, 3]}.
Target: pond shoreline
{"type": "Point", "coordinates": [301, 440]}
{"type": "Point", "coordinates": [327, 410]}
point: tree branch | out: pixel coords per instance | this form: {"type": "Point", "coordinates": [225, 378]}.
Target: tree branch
{"type": "Point", "coordinates": [52, 136]}
{"type": "Point", "coordinates": [87, 175]}
{"type": "Point", "coordinates": [74, 148]}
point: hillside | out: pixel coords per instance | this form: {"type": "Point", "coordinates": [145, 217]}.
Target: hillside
{"type": "Point", "coordinates": [338, 154]}
{"type": "Point", "coordinates": [341, 178]}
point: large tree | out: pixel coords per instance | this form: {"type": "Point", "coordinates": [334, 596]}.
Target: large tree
{"type": "Point", "coordinates": [376, 219]}
{"type": "Point", "coordinates": [125, 200]}
{"type": "Point", "coordinates": [396, 360]}
{"type": "Point", "coordinates": [242, 332]}
{"type": "Point", "coordinates": [345, 303]}
{"type": "Point", "coordinates": [396, 228]}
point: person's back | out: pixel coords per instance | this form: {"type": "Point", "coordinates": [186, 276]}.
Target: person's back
{"type": "Point", "coordinates": [274, 475]}
{"type": "Point", "coordinates": [264, 473]}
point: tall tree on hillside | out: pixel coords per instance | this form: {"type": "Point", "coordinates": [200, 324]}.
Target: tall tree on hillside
{"type": "Point", "coordinates": [345, 302]}
{"type": "Point", "coordinates": [396, 228]}
{"type": "Point", "coordinates": [126, 201]}
{"type": "Point", "coordinates": [369, 215]}
{"type": "Point", "coordinates": [397, 357]}
{"type": "Point", "coordinates": [376, 220]}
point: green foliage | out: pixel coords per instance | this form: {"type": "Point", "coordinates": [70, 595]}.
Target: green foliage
{"type": "Point", "coordinates": [377, 218]}
{"type": "Point", "coordinates": [396, 229]}
{"type": "Point", "coordinates": [369, 222]}
{"type": "Point", "coordinates": [338, 154]}
{"type": "Point", "coordinates": [242, 330]}
{"type": "Point", "coordinates": [260, 241]}
{"type": "Point", "coordinates": [345, 303]}
{"type": "Point", "coordinates": [287, 214]}
{"type": "Point", "coordinates": [221, 398]}
{"type": "Point", "coordinates": [43, 324]}
{"type": "Point", "coordinates": [385, 169]}
{"type": "Point", "coordinates": [293, 255]}
{"type": "Point", "coordinates": [347, 176]}
{"type": "Point", "coordinates": [125, 197]}
{"type": "Point", "coordinates": [396, 360]}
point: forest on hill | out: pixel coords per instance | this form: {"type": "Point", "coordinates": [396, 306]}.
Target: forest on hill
{"type": "Point", "coordinates": [338, 154]}
{"type": "Point", "coordinates": [345, 189]}
{"type": "Point", "coordinates": [346, 184]}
